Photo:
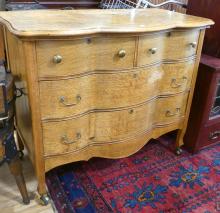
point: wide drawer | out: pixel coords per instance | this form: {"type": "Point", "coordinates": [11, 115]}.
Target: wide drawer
{"type": "Point", "coordinates": [167, 46]}
{"type": "Point", "coordinates": [105, 90]}
{"type": "Point", "coordinates": [111, 126]}
{"type": "Point", "coordinates": [63, 58]}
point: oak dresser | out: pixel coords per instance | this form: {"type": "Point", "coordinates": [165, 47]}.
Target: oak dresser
{"type": "Point", "coordinates": [100, 83]}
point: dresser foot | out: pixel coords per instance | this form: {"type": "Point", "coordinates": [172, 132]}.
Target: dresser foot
{"type": "Point", "coordinates": [179, 141]}
{"type": "Point", "coordinates": [21, 154]}
{"type": "Point", "coordinates": [44, 199]}
{"type": "Point", "coordinates": [178, 151]}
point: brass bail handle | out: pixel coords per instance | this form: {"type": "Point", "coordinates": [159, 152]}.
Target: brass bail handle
{"type": "Point", "coordinates": [171, 114]}
{"type": "Point", "coordinates": [63, 101]}
{"type": "Point", "coordinates": [66, 140]}
{"type": "Point", "coordinates": [174, 83]}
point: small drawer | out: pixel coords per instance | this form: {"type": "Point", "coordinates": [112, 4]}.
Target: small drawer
{"type": "Point", "coordinates": [167, 46]}
{"type": "Point", "coordinates": [176, 77]}
{"type": "Point", "coordinates": [64, 58]}
{"type": "Point", "coordinates": [170, 109]}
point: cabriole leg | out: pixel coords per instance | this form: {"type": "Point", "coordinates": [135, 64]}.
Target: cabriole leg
{"type": "Point", "coordinates": [179, 142]}
{"type": "Point", "coordinates": [43, 197]}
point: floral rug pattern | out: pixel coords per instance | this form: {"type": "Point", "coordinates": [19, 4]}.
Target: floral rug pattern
{"type": "Point", "coordinates": [154, 180]}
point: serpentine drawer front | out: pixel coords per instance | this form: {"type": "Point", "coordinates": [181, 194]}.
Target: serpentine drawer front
{"type": "Point", "coordinates": [167, 46]}
{"type": "Point", "coordinates": [61, 58]}
{"type": "Point", "coordinates": [100, 83]}
{"type": "Point", "coordinates": [112, 126]}
{"type": "Point", "coordinates": [121, 89]}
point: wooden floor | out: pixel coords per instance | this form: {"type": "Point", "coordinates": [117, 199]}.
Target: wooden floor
{"type": "Point", "coordinates": [10, 199]}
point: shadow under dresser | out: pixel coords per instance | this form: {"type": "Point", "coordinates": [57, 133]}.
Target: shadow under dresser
{"type": "Point", "coordinates": [100, 83]}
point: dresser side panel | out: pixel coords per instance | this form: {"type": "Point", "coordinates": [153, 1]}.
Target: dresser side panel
{"type": "Point", "coordinates": [16, 64]}
{"type": "Point", "coordinates": [15, 54]}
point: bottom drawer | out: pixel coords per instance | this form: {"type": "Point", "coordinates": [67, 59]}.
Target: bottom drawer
{"type": "Point", "coordinates": [111, 125]}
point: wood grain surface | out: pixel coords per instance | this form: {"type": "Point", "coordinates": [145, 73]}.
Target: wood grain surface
{"type": "Point", "coordinates": [83, 55]}
{"type": "Point", "coordinates": [101, 128]}
{"type": "Point", "coordinates": [168, 46]}
{"type": "Point", "coordinates": [83, 22]}
{"type": "Point", "coordinates": [103, 95]}
{"type": "Point", "coordinates": [103, 53]}
{"type": "Point", "coordinates": [113, 90]}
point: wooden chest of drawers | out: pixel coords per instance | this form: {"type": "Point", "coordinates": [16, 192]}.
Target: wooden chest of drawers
{"type": "Point", "coordinates": [100, 88]}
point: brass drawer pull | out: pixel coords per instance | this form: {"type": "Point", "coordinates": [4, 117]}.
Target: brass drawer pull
{"type": "Point", "coordinates": [214, 135]}
{"type": "Point", "coordinates": [193, 44]}
{"type": "Point", "coordinates": [57, 59]}
{"type": "Point", "coordinates": [153, 50]}
{"type": "Point", "coordinates": [174, 83]}
{"type": "Point", "coordinates": [65, 139]}
{"type": "Point", "coordinates": [121, 53]}
{"type": "Point", "coordinates": [63, 99]}
{"type": "Point", "coordinates": [171, 114]}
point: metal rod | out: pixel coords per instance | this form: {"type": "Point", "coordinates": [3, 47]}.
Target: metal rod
{"type": "Point", "coordinates": [129, 4]}
{"type": "Point", "coordinates": [163, 3]}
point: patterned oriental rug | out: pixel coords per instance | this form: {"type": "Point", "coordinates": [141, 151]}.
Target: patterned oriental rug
{"type": "Point", "coordinates": [152, 180]}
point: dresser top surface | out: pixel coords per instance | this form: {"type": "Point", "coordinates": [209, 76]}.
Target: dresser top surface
{"type": "Point", "coordinates": [46, 23]}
